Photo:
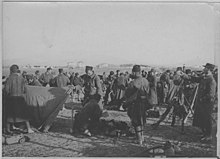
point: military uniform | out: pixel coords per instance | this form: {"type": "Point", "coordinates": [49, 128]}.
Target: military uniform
{"type": "Point", "coordinates": [45, 78]}
{"type": "Point", "coordinates": [62, 80]}
{"type": "Point", "coordinates": [165, 84]}
{"type": "Point", "coordinates": [16, 110]}
{"type": "Point", "coordinates": [136, 96]}
{"type": "Point", "coordinates": [88, 116]}
{"type": "Point", "coordinates": [204, 103]}
{"type": "Point", "coordinates": [153, 89]}
{"type": "Point", "coordinates": [92, 86]}
{"type": "Point", "coordinates": [120, 86]}
{"type": "Point", "coordinates": [109, 95]}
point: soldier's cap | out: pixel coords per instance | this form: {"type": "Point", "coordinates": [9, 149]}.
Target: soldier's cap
{"type": "Point", "coordinates": [179, 69]}
{"type": "Point", "coordinates": [60, 70]}
{"type": "Point", "coordinates": [136, 68]}
{"type": "Point", "coordinates": [89, 68]}
{"type": "Point", "coordinates": [14, 68]}
{"type": "Point", "coordinates": [209, 66]}
{"type": "Point", "coordinates": [49, 68]}
{"type": "Point", "coordinates": [111, 72]}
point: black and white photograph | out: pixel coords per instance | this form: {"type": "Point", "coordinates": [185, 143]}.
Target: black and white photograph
{"type": "Point", "coordinates": [110, 78]}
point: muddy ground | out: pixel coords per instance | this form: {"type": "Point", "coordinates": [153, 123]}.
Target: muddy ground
{"type": "Point", "coordinates": [60, 143]}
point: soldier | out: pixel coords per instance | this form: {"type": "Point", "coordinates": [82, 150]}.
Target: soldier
{"type": "Point", "coordinates": [120, 85]}
{"type": "Point", "coordinates": [89, 116]}
{"type": "Point", "coordinates": [165, 84]}
{"type": "Point", "coordinates": [109, 95]}
{"type": "Point", "coordinates": [205, 102]}
{"type": "Point", "coordinates": [175, 94]}
{"type": "Point", "coordinates": [153, 88]}
{"type": "Point", "coordinates": [92, 85]}
{"type": "Point", "coordinates": [37, 74]}
{"type": "Point", "coordinates": [61, 80]}
{"type": "Point", "coordinates": [136, 100]}
{"type": "Point", "coordinates": [16, 109]}
{"type": "Point", "coordinates": [46, 77]}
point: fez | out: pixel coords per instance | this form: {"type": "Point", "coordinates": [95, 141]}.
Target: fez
{"type": "Point", "coordinates": [209, 66]}
{"type": "Point", "coordinates": [89, 68]}
{"type": "Point", "coordinates": [14, 68]}
{"type": "Point", "coordinates": [136, 68]}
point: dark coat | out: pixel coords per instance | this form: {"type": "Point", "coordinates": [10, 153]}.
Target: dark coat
{"type": "Point", "coordinates": [205, 101]}
{"type": "Point", "coordinates": [153, 89]}
{"type": "Point", "coordinates": [137, 94]}
{"type": "Point", "coordinates": [62, 80]}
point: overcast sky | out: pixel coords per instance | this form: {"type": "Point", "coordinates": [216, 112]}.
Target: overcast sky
{"type": "Point", "coordinates": [147, 33]}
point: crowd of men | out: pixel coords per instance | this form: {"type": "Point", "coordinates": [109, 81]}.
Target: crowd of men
{"type": "Point", "coordinates": [134, 92]}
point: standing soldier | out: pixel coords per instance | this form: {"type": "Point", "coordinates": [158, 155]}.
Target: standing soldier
{"type": "Point", "coordinates": [16, 108]}
{"type": "Point", "coordinates": [136, 100]}
{"type": "Point", "coordinates": [109, 95]}
{"type": "Point", "coordinates": [92, 85]}
{"type": "Point", "coordinates": [153, 88]}
{"type": "Point", "coordinates": [165, 84]}
{"type": "Point", "coordinates": [61, 80]}
{"type": "Point", "coordinates": [120, 85]}
{"type": "Point", "coordinates": [205, 102]}
{"type": "Point", "coordinates": [46, 77]}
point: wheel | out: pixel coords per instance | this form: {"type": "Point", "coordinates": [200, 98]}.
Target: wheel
{"type": "Point", "coordinates": [21, 141]}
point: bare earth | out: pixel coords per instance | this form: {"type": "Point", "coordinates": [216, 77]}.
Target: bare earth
{"type": "Point", "coordinates": [60, 143]}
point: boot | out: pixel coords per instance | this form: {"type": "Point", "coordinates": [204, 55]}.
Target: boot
{"type": "Point", "coordinates": [139, 135]}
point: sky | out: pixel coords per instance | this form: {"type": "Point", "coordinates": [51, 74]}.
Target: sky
{"type": "Point", "coordinates": [54, 33]}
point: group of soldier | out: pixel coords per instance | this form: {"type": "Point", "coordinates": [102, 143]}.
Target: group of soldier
{"type": "Point", "coordinates": [136, 93]}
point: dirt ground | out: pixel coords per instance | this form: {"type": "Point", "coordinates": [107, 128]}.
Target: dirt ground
{"type": "Point", "coordinates": [60, 143]}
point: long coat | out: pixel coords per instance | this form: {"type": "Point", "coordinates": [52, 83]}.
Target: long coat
{"type": "Point", "coordinates": [15, 106]}
{"type": "Point", "coordinates": [153, 89]}
{"type": "Point", "coordinates": [204, 102]}
{"type": "Point", "coordinates": [138, 89]}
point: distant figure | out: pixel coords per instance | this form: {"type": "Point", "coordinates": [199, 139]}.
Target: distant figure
{"type": "Point", "coordinates": [37, 74]}
{"type": "Point", "coordinates": [165, 84]}
{"type": "Point", "coordinates": [77, 81]}
{"type": "Point", "coordinates": [46, 77]}
{"type": "Point", "coordinates": [110, 93]}
{"type": "Point", "coordinates": [61, 80]}
{"type": "Point", "coordinates": [152, 79]}
{"type": "Point", "coordinates": [33, 81]}
{"type": "Point", "coordinates": [16, 109]}
{"type": "Point", "coordinates": [120, 86]}
{"type": "Point", "coordinates": [117, 73]}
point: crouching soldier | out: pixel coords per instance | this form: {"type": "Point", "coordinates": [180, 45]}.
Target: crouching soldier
{"type": "Point", "coordinates": [89, 116]}
{"type": "Point", "coordinates": [136, 101]}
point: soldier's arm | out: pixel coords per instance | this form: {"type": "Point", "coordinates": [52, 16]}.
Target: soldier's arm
{"type": "Point", "coordinates": [7, 86]}
{"type": "Point", "coordinates": [211, 90]}
{"type": "Point", "coordinates": [98, 85]}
